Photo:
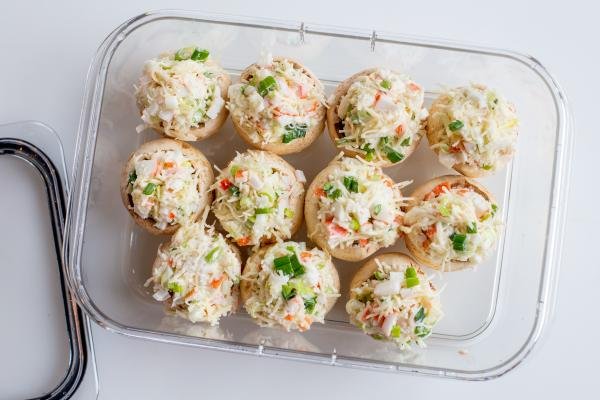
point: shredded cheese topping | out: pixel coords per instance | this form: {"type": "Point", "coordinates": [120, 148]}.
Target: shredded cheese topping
{"type": "Point", "coordinates": [454, 223]}
{"type": "Point", "coordinates": [177, 94]}
{"type": "Point", "coordinates": [477, 127]}
{"type": "Point", "coordinates": [254, 198]}
{"type": "Point", "coordinates": [197, 273]}
{"type": "Point", "coordinates": [292, 286]}
{"type": "Point", "coordinates": [164, 186]}
{"type": "Point", "coordinates": [381, 116]}
{"type": "Point", "coordinates": [398, 303]}
{"type": "Point", "coordinates": [278, 104]}
{"type": "Point", "coordinates": [359, 205]}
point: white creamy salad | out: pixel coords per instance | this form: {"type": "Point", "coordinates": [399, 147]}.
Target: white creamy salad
{"type": "Point", "coordinates": [163, 186]}
{"type": "Point", "coordinates": [180, 91]}
{"type": "Point", "coordinates": [197, 273]}
{"type": "Point", "coordinates": [381, 116]}
{"type": "Point", "coordinates": [292, 286]}
{"type": "Point", "coordinates": [398, 303]}
{"type": "Point", "coordinates": [278, 104]}
{"type": "Point", "coordinates": [359, 205]}
{"type": "Point", "coordinates": [454, 223]}
{"type": "Point", "coordinates": [254, 198]}
{"type": "Point", "coordinates": [477, 127]}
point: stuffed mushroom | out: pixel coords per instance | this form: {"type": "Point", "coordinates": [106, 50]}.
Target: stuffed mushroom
{"type": "Point", "coordinates": [473, 130]}
{"type": "Point", "coordinates": [289, 285]}
{"type": "Point", "coordinates": [197, 274]}
{"type": "Point", "coordinates": [353, 209]}
{"type": "Point", "coordinates": [392, 299]}
{"type": "Point", "coordinates": [164, 184]}
{"type": "Point", "coordinates": [278, 106]}
{"type": "Point", "coordinates": [183, 94]}
{"type": "Point", "coordinates": [451, 223]}
{"type": "Point", "coordinates": [259, 198]}
{"type": "Point", "coordinates": [377, 114]}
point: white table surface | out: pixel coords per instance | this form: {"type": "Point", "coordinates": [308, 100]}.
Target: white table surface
{"type": "Point", "coordinates": [45, 51]}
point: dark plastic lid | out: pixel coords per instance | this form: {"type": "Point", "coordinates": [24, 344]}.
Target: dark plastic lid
{"type": "Point", "coordinates": [44, 341]}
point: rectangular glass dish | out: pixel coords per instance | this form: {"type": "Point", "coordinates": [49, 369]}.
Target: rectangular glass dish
{"type": "Point", "coordinates": [494, 315]}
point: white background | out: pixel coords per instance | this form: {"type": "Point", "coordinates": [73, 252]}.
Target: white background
{"type": "Point", "coordinates": [46, 48]}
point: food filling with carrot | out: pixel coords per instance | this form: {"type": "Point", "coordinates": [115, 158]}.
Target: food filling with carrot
{"type": "Point", "coordinates": [197, 274]}
{"type": "Point", "coordinates": [164, 187]}
{"type": "Point", "coordinates": [398, 303]}
{"type": "Point", "coordinates": [279, 103]}
{"type": "Point", "coordinates": [359, 206]}
{"type": "Point", "coordinates": [381, 115]}
{"type": "Point", "coordinates": [292, 287]}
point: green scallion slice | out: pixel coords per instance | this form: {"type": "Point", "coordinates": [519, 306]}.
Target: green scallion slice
{"type": "Point", "coordinates": [455, 125]}
{"type": "Point", "coordinates": [149, 189]}
{"type": "Point", "coordinates": [266, 85]}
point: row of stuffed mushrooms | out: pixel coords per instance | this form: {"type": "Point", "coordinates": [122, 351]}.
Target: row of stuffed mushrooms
{"type": "Point", "coordinates": [279, 105]}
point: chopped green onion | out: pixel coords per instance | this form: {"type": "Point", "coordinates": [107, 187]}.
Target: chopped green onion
{"type": "Point", "coordinates": [393, 155]}
{"type": "Point", "coordinates": [296, 266]}
{"type": "Point", "coordinates": [378, 275]}
{"type": "Point", "coordinates": [410, 272]}
{"type": "Point", "coordinates": [149, 189]}
{"type": "Point", "coordinates": [472, 227]}
{"type": "Point", "coordinates": [132, 177]}
{"type": "Point", "coordinates": [384, 140]}
{"type": "Point", "coordinates": [487, 167]}
{"type": "Point", "coordinates": [279, 261]}
{"type": "Point", "coordinates": [233, 170]}
{"type": "Point", "coordinates": [211, 255]}
{"type": "Point", "coordinates": [494, 209]}
{"type": "Point", "coordinates": [291, 249]}
{"type": "Point", "coordinates": [458, 241]}
{"type": "Point", "coordinates": [266, 85]}
{"type": "Point", "coordinates": [351, 184]}
{"type": "Point", "coordinates": [309, 304]}
{"type": "Point", "coordinates": [405, 142]}
{"type": "Point", "coordinates": [370, 155]}
{"type": "Point", "coordinates": [455, 125]}
{"type": "Point", "coordinates": [200, 55]}
{"type": "Point", "coordinates": [288, 292]}
{"type": "Point", "coordinates": [294, 131]}
{"type": "Point", "coordinates": [377, 209]}
{"type": "Point", "coordinates": [331, 191]}
{"type": "Point", "coordinates": [284, 265]}
{"type": "Point", "coordinates": [445, 209]}
{"type": "Point", "coordinates": [288, 213]}
{"type": "Point", "coordinates": [175, 287]}
{"type": "Point", "coordinates": [355, 224]}
{"type": "Point", "coordinates": [265, 210]}
{"type": "Point", "coordinates": [410, 282]}
{"type": "Point", "coordinates": [234, 190]}
{"type": "Point", "coordinates": [420, 315]}
{"type": "Point", "coordinates": [184, 54]}
{"type": "Point", "coordinates": [395, 332]}
{"type": "Point", "coordinates": [386, 84]}
{"type": "Point", "coordinates": [422, 331]}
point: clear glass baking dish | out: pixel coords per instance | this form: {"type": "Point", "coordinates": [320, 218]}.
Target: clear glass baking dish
{"type": "Point", "coordinates": [494, 314]}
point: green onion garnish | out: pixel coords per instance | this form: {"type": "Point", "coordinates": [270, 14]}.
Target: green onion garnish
{"type": "Point", "coordinates": [298, 269]}
{"type": "Point", "coordinates": [309, 304]}
{"type": "Point", "coordinates": [265, 210]}
{"type": "Point", "coordinates": [175, 287]}
{"type": "Point", "coordinates": [420, 315]}
{"type": "Point", "coordinates": [184, 54]}
{"type": "Point", "coordinates": [234, 190]}
{"type": "Point", "coordinates": [494, 209]}
{"type": "Point", "coordinates": [472, 227]}
{"type": "Point", "coordinates": [355, 224]}
{"type": "Point", "coordinates": [233, 170]}
{"type": "Point", "coordinates": [351, 184]}
{"type": "Point", "coordinates": [284, 265]}
{"type": "Point", "coordinates": [149, 189]}
{"type": "Point", "coordinates": [266, 85]}
{"type": "Point", "coordinates": [200, 55]}
{"type": "Point", "coordinates": [405, 142]}
{"type": "Point", "coordinates": [393, 155]}
{"type": "Point", "coordinates": [288, 213]}
{"type": "Point", "coordinates": [132, 177]}
{"type": "Point", "coordinates": [458, 241]}
{"type": "Point", "coordinates": [410, 272]}
{"type": "Point", "coordinates": [294, 131]}
{"type": "Point", "coordinates": [422, 331]}
{"type": "Point", "coordinates": [386, 84]}
{"type": "Point", "coordinates": [378, 275]}
{"type": "Point", "coordinates": [395, 332]}
{"type": "Point", "coordinates": [455, 125]}
{"type": "Point", "coordinates": [211, 255]}
{"type": "Point", "coordinates": [411, 282]}
{"type": "Point", "coordinates": [487, 167]}
{"type": "Point", "coordinates": [377, 209]}
{"type": "Point", "coordinates": [288, 292]}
